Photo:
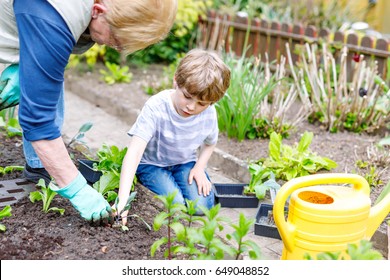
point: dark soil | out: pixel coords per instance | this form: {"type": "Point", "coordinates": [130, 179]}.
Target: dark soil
{"type": "Point", "coordinates": [31, 234]}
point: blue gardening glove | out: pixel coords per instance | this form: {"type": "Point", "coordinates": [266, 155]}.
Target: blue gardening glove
{"type": "Point", "coordinates": [90, 203]}
{"type": "Point", "coordinates": [9, 87]}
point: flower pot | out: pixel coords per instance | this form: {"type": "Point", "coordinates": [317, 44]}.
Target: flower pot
{"type": "Point", "coordinates": [265, 225]}
{"type": "Point", "coordinates": [86, 169]}
{"type": "Point", "coordinates": [231, 196]}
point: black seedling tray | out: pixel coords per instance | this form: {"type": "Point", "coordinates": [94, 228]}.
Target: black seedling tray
{"type": "Point", "coordinates": [86, 169]}
{"type": "Point", "coordinates": [265, 225]}
{"type": "Point", "coordinates": [231, 196]}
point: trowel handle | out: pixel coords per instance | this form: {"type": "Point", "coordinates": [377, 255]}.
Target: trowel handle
{"type": "Point", "coordinates": [287, 230]}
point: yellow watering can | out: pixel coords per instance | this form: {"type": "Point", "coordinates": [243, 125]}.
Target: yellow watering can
{"type": "Point", "coordinates": [326, 218]}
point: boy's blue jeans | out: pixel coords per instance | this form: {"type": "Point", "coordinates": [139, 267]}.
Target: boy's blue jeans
{"type": "Point", "coordinates": [32, 158]}
{"type": "Point", "coordinates": [165, 180]}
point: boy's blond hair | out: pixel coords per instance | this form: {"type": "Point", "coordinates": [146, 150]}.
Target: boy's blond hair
{"type": "Point", "coordinates": [203, 74]}
{"type": "Point", "coordinates": [140, 23]}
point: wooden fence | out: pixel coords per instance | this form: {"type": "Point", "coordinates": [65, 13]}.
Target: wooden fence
{"type": "Point", "coordinates": [221, 31]}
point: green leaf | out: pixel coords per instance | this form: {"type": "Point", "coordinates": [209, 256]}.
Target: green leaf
{"type": "Point", "coordinates": [157, 244]}
{"type": "Point", "coordinates": [179, 230]}
{"type": "Point", "coordinates": [305, 141]}
{"type": "Point", "coordinates": [35, 196]}
{"type": "Point", "coordinates": [55, 209]}
{"type": "Point", "coordinates": [275, 146]}
{"type": "Point", "coordinates": [85, 127]}
{"type": "Point", "coordinates": [6, 212]}
{"type": "Point", "coordinates": [385, 191]}
{"type": "Point", "coordinates": [160, 220]}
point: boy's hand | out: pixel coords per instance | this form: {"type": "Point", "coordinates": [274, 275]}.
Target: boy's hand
{"type": "Point", "coordinates": [204, 185]}
{"type": "Point", "coordinates": [116, 211]}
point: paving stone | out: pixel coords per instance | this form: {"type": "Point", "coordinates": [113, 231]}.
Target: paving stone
{"type": "Point", "coordinates": [12, 191]}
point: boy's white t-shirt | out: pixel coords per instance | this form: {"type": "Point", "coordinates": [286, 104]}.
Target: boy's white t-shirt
{"type": "Point", "coordinates": [173, 139]}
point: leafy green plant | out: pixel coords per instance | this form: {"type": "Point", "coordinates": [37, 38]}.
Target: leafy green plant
{"type": "Point", "coordinates": [46, 195]}
{"type": "Point", "coordinates": [10, 169]}
{"type": "Point", "coordinates": [109, 162]}
{"type": "Point", "coordinates": [115, 74]}
{"type": "Point", "coordinates": [370, 173]}
{"type": "Point", "coordinates": [118, 217]}
{"type": "Point", "coordinates": [198, 239]}
{"type": "Point", "coordinates": [361, 251]}
{"type": "Point", "coordinates": [88, 59]}
{"type": "Point", "coordinates": [10, 123]}
{"type": "Point", "coordinates": [288, 162]}
{"type": "Point", "coordinates": [262, 179]}
{"type": "Point", "coordinates": [241, 103]}
{"type": "Point", "coordinates": [5, 212]}
{"type": "Point", "coordinates": [78, 137]}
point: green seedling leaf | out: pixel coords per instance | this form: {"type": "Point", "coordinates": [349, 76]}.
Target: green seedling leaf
{"type": "Point", "coordinates": [46, 195]}
{"type": "Point", "coordinates": [157, 244]}
{"type": "Point", "coordinates": [6, 212]}
{"type": "Point", "coordinates": [385, 192]}
{"type": "Point", "coordinates": [305, 141]}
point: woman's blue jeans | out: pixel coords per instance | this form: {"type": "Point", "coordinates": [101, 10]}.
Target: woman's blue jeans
{"type": "Point", "coordinates": [31, 157]}
{"type": "Point", "coordinates": [166, 180]}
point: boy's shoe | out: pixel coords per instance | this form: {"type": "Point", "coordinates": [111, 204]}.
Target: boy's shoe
{"type": "Point", "coordinates": [34, 174]}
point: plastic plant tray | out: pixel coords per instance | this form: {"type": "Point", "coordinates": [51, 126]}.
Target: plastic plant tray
{"type": "Point", "coordinates": [231, 196]}
{"type": "Point", "coordinates": [86, 169]}
{"type": "Point", "coordinates": [264, 224]}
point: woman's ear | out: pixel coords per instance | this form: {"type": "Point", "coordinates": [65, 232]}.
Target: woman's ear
{"type": "Point", "coordinates": [98, 9]}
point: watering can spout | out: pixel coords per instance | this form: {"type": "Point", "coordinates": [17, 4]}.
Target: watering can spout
{"type": "Point", "coordinates": [377, 214]}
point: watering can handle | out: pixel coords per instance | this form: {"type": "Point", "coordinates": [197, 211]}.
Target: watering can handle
{"type": "Point", "coordinates": [287, 230]}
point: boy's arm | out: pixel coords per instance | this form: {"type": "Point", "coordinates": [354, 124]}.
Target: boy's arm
{"type": "Point", "coordinates": [198, 172]}
{"type": "Point", "coordinates": [135, 149]}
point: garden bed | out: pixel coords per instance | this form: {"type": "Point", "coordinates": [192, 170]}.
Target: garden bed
{"type": "Point", "coordinates": [32, 234]}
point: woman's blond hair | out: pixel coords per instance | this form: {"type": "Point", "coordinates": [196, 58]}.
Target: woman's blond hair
{"type": "Point", "coordinates": [203, 74]}
{"type": "Point", "coordinates": [140, 23]}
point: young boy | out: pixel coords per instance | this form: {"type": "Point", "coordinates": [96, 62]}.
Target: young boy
{"type": "Point", "coordinates": [171, 127]}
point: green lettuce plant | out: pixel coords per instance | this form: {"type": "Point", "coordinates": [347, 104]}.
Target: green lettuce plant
{"type": "Point", "coordinates": [288, 162]}
{"type": "Point", "coordinates": [5, 212]}
{"type": "Point", "coordinates": [109, 162]}
{"type": "Point", "coordinates": [10, 169]}
{"type": "Point", "coordinates": [46, 195]}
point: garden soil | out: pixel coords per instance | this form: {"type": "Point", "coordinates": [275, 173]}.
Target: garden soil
{"type": "Point", "coordinates": [31, 234]}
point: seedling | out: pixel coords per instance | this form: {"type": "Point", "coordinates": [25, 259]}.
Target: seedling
{"type": "Point", "coordinates": [361, 251]}
{"type": "Point", "coordinates": [262, 179]}
{"type": "Point", "coordinates": [46, 195]}
{"type": "Point", "coordinates": [109, 162]}
{"type": "Point", "coordinates": [118, 218]}
{"type": "Point", "coordinates": [10, 169]}
{"type": "Point", "coordinates": [80, 134]}
{"type": "Point", "coordinates": [200, 241]}
{"type": "Point", "coordinates": [6, 212]}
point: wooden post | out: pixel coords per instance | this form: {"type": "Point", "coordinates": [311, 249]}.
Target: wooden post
{"type": "Point", "coordinates": [239, 34]}
{"type": "Point", "coordinates": [285, 38]}
{"type": "Point", "coordinates": [274, 42]}
{"type": "Point", "coordinates": [263, 40]}
{"type": "Point", "coordinates": [382, 45]}
{"type": "Point", "coordinates": [352, 40]}
{"type": "Point", "coordinates": [297, 30]}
